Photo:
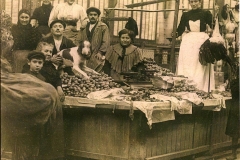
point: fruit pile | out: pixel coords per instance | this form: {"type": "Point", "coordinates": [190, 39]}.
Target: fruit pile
{"type": "Point", "coordinates": [184, 87]}
{"type": "Point", "coordinates": [151, 65]}
{"type": "Point", "coordinates": [78, 86]}
{"type": "Point", "coordinates": [204, 95]}
{"type": "Point", "coordinates": [141, 94]}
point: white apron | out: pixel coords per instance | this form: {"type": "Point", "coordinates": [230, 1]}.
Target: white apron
{"type": "Point", "coordinates": [188, 61]}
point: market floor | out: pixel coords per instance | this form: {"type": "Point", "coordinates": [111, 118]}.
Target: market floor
{"type": "Point", "coordinates": [216, 156]}
{"type": "Point", "coordinates": [219, 156]}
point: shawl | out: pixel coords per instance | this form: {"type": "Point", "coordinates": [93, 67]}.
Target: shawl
{"type": "Point", "coordinates": [132, 57]}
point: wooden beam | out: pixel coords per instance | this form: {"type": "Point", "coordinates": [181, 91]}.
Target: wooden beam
{"type": "Point", "coordinates": [172, 56]}
{"type": "Point", "coordinates": [144, 3]}
{"type": "Point", "coordinates": [117, 19]}
{"type": "Point", "coordinates": [144, 10]}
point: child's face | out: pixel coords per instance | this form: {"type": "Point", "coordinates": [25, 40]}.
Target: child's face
{"type": "Point", "coordinates": [47, 50]}
{"type": "Point", "coordinates": [35, 65]}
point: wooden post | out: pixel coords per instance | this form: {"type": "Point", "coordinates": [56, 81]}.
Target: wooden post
{"type": "Point", "coordinates": [110, 14]}
{"type": "Point", "coordinates": [172, 56]}
{"type": "Point", "coordinates": [2, 5]}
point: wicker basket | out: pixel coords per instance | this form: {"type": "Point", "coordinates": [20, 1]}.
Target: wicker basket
{"type": "Point", "coordinates": [160, 83]}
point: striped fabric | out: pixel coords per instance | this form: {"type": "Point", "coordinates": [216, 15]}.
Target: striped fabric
{"type": "Point", "coordinates": [99, 43]}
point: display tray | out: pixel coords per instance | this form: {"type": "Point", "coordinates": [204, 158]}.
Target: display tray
{"type": "Point", "coordinates": [140, 84]}
{"type": "Point", "coordinates": [211, 102]}
{"type": "Point", "coordinates": [160, 83]}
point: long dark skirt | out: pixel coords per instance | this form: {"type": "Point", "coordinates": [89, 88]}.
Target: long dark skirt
{"type": "Point", "coordinates": [233, 122]}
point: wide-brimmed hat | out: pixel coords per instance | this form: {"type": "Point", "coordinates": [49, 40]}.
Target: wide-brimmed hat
{"type": "Point", "coordinates": [58, 21]}
{"type": "Point", "coordinates": [93, 9]}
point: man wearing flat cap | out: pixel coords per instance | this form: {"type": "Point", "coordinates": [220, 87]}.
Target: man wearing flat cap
{"type": "Point", "coordinates": [97, 33]}
{"type": "Point", "coordinates": [59, 41]}
{"type": "Point", "coordinates": [56, 38]}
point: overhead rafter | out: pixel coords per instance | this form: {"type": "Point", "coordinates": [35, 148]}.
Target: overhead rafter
{"type": "Point", "coordinates": [142, 10]}
{"type": "Point", "coordinates": [144, 3]}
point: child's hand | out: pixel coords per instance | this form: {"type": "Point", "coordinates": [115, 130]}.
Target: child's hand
{"type": "Point", "coordinates": [60, 93]}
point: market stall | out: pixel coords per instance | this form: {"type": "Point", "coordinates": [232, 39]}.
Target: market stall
{"type": "Point", "coordinates": [142, 121]}
{"type": "Point", "coordinates": [115, 130]}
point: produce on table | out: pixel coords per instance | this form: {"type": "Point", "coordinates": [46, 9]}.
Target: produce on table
{"type": "Point", "coordinates": [165, 84]}
{"type": "Point", "coordinates": [78, 86]}
{"type": "Point", "coordinates": [151, 65]}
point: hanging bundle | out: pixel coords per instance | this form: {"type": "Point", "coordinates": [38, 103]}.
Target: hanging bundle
{"type": "Point", "coordinates": [132, 25]}
{"type": "Point", "coordinates": [213, 49]}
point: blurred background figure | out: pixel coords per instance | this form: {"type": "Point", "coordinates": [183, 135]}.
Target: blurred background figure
{"type": "Point", "coordinates": [40, 17]}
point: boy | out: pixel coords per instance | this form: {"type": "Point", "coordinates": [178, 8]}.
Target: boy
{"type": "Point", "coordinates": [49, 70]}
{"type": "Point", "coordinates": [35, 62]}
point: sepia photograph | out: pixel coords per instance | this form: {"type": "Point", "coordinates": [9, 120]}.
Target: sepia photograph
{"type": "Point", "coordinates": [120, 80]}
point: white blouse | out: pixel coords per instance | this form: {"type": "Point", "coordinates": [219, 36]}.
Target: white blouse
{"type": "Point", "coordinates": [66, 12]}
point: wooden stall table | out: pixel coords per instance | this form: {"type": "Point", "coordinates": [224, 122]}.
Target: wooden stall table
{"type": "Point", "coordinates": [102, 129]}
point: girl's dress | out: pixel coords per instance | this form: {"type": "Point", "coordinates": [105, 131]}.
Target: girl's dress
{"type": "Point", "coordinates": [121, 59]}
{"type": "Point", "coordinates": [195, 22]}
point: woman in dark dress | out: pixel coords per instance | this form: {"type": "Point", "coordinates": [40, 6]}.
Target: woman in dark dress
{"type": "Point", "coordinates": [24, 35]}
{"type": "Point", "coordinates": [233, 122]}
{"type": "Point", "coordinates": [192, 28]}
{"type": "Point", "coordinates": [25, 39]}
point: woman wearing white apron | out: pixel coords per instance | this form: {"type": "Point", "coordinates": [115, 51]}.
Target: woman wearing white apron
{"type": "Point", "coordinates": [194, 24]}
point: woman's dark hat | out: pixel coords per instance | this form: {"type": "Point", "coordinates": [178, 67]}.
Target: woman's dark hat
{"type": "Point", "coordinates": [93, 9]}
{"type": "Point", "coordinates": [36, 54]}
{"type": "Point", "coordinates": [24, 11]}
{"type": "Point", "coordinates": [58, 21]}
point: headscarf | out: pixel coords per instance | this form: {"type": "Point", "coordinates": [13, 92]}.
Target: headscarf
{"type": "Point", "coordinates": [23, 11]}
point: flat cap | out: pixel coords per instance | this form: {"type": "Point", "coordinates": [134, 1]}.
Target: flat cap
{"type": "Point", "coordinates": [36, 54]}
{"type": "Point", "coordinates": [58, 21]}
{"type": "Point", "coordinates": [93, 9]}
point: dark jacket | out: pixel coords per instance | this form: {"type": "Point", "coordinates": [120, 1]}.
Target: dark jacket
{"type": "Point", "coordinates": [51, 74]}
{"type": "Point", "coordinates": [204, 16]}
{"type": "Point", "coordinates": [48, 73]}
{"type": "Point", "coordinates": [41, 14]}
{"type": "Point", "coordinates": [25, 37]}
{"type": "Point", "coordinates": [66, 43]}
{"type": "Point", "coordinates": [38, 75]}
